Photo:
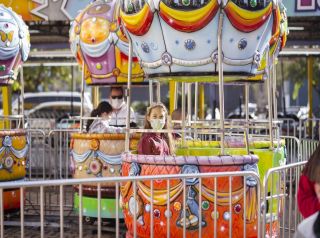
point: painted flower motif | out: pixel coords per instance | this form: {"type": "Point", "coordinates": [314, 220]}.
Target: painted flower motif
{"type": "Point", "coordinates": [8, 162]}
{"type": "Point", "coordinates": [95, 167]}
{"type": "Point", "coordinates": [237, 208]}
{"type": "Point", "coordinates": [157, 213]}
{"type": "Point", "coordinates": [166, 59]}
{"type": "Point", "coordinates": [145, 47]}
{"type": "Point", "coordinates": [257, 58]}
{"type": "Point", "coordinates": [94, 144]}
{"type": "Point", "coordinates": [242, 44]}
{"type": "Point", "coordinates": [7, 142]}
{"type": "Point", "coordinates": [190, 44]}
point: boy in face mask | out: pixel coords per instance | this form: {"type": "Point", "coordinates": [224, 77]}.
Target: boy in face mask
{"type": "Point", "coordinates": [156, 143]}
{"type": "Point", "coordinates": [119, 108]}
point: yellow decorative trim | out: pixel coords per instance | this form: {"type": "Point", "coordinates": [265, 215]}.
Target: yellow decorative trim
{"type": "Point", "coordinates": [246, 14]}
{"type": "Point", "coordinates": [135, 19]}
{"type": "Point", "coordinates": [160, 196]}
{"type": "Point", "coordinates": [189, 16]}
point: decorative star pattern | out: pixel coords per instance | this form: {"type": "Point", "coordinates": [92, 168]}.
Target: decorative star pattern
{"type": "Point", "coordinates": [57, 9]}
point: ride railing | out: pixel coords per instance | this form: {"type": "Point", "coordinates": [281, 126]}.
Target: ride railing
{"type": "Point", "coordinates": [308, 146]}
{"type": "Point", "coordinates": [289, 127]}
{"type": "Point", "coordinates": [285, 126]}
{"type": "Point", "coordinates": [309, 129]}
{"type": "Point", "coordinates": [205, 130]}
{"type": "Point", "coordinates": [293, 149]}
{"type": "Point", "coordinates": [37, 154]}
{"type": "Point", "coordinates": [69, 222]}
{"type": "Point", "coordinates": [50, 152]}
{"type": "Point", "coordinates": [57, 165]}
{"type": "Point", "coordinates": [11, 122]}
{"type": "Point", "coordinates": [282, 183]}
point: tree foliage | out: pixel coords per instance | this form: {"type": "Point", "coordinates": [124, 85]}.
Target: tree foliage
{"type": "Point", "coordinates": [296, 70]}
{"type": "Point", "coordinates": [55, 78]}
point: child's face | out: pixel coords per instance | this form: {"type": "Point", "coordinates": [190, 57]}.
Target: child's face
{"type": "Point", "coordinates": [317, 190]}
{"type": "Point", "coordinates": [156, 113]}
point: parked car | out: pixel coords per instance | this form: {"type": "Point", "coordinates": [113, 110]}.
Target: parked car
{"type": "Point", "coordinates": [57, 115]}
{"type": "Point", "coordinates": [235, 114]}
{"type": "Point", "coordinates": [32, 100]}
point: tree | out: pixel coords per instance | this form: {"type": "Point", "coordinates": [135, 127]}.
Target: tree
{"type": "Point", "coordinates": [44, 78]}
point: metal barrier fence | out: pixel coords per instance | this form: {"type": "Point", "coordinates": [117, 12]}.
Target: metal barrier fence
{"type": "Point", "coordinates": [63, 209]}
{"type": "Point", "coordinates": [309, 129]}
{"type": "Point", "coordinates": [293, 149]}
{"type": "Point", "coordinates": [282, 183]}
{"type": "Point", "coordinates": [308, 146]}
{"type": "Point", "coordinates": [289, 127]}
{"type": "Point", "coordinates": [59, 154]}
{"type": "Point", "coordinates": [49, 159]}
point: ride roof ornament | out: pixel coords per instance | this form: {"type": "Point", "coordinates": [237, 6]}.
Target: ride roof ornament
{"type": "Point", "coordinates": [14, 44]}
{"type": "Point", "coordinates": [100, 45]}
{"type": "Point", "coordinates": [248, 27]}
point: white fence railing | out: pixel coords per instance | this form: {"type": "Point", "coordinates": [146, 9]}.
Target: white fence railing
{"type": "Point", "coordinates": [79, 228]}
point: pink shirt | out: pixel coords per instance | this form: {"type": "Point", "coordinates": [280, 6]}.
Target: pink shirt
{"type": "Point", "coordinates": [153, 144]}
{"type": "Point", "coordinates": [307, 198]}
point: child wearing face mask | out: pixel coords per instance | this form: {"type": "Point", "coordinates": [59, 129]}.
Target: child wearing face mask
{"type": "Point", "coordinates": [156, 143]}
{"type": "Point", "coordinates": [101, 124]}
{"type": "Point", "coordinates": [310, 227]}
{"type": "Point", "coordinates": [308, 202]}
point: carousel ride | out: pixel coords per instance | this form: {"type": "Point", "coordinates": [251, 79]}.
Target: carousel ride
{"type": "Point", "coordinates": [201, 42]}
{"type": "Point", "coordinates": [14, 50]}
{"type": "Point", "coordinates": [101, 49]}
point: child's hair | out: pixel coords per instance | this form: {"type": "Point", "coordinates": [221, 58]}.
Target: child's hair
{"type": "Point", "coordinates": [103, 107]}
{"type": "Point", "coordinates": [312, 168]}
{"type": "Point", "coordinates": [147, 124]}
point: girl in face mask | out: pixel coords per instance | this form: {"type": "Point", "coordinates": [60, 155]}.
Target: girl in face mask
{"type": "Point", "coordinates": [156, 143]}
{"type": "Point", "coordinates": [101, 124]}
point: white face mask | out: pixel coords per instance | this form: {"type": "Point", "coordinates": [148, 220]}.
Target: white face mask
{"type": "Point", "coordinates": [157, 124]}
{"type": "Point", "coordinates": [117, 103]}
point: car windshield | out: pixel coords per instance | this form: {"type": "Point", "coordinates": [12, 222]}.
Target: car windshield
{"type": "Point", "coordinates": [54, 112]}
{"type": "Point", "coordinates": [31, 102]}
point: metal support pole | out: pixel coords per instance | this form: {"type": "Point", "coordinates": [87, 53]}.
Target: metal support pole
{"type": "Point", "coordinates": [189, 114]}
{"type": "Point", "coordinates": [158, 92]}
{"type": "Point", "coordinates": [221, 89]}
{"type": "Point", "coordinates": [127, 143]}
{"type": "Point", "coordinates": [95, 96]}
{"type": "Point", "coordinates": [201, 101]}
{"type": "Point", "coordinates": [22, 95]}
{"type": "Point", "coordinates": [269, 92]}
{"type": "Point", "coordinates": [246, 110]}
{"type": "Point", "coordinates": [176, 95]}
{"type": "Point", "coordinates": [196, 108]}
{"type": "Point", "coordinates": [310, 96]}
{"type": "Point", "coordinates": [274, 89]}
{"type": "Point", "coordinates": [183, 111]}
{"type": "Point", "coordinates": [82, 96]}
{"type": "Point", "coordinates": [172, 96]}
{"type": "Point", "coordinates": [150, 91]}
{"type": "Point", "coordinates": [196, 91]}
{"type": "Point", "coordinates": [7, 110]}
